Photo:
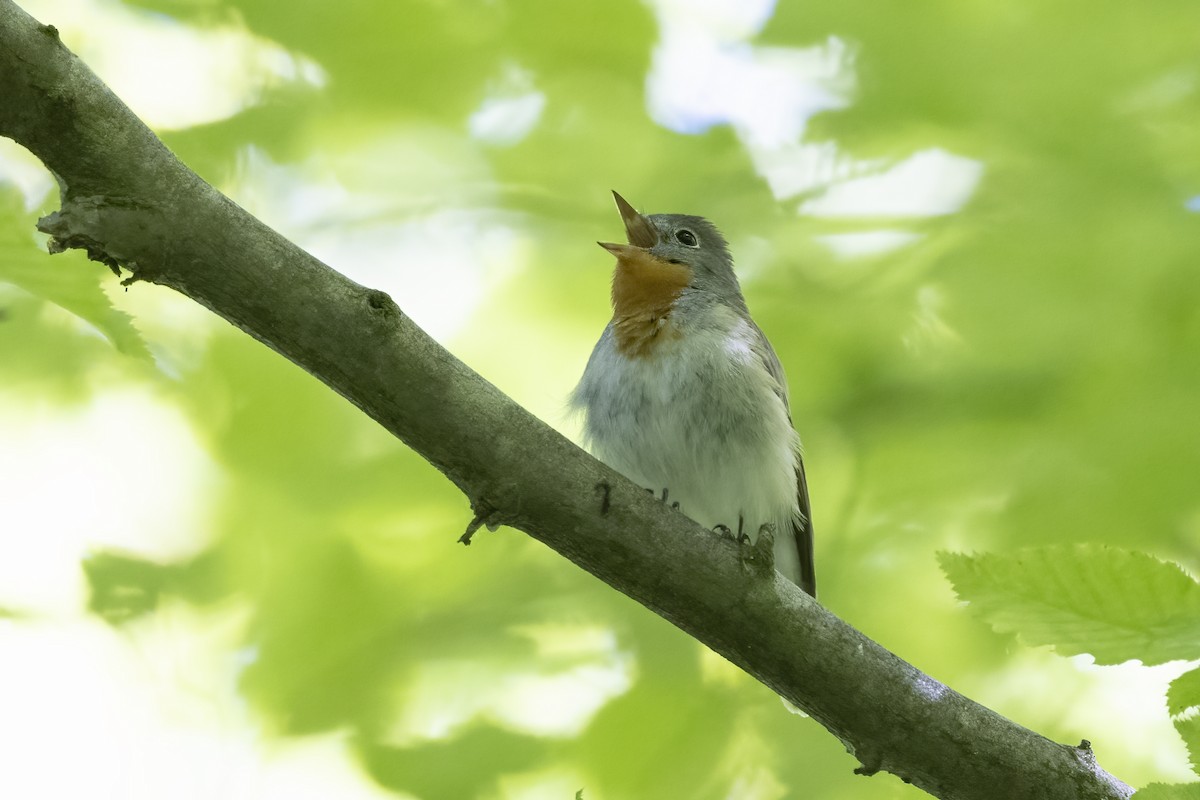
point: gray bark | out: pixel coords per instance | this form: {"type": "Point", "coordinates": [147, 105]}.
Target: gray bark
{"type": "Point", "coordinates": [128, 201]}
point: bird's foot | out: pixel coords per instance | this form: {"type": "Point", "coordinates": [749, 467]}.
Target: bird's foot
{"type": "Point", "coordinates": [760, 557]}
{"type": "Point", "coordinates": [757, 557]}
{"type": "Point", "coordinates": [663, 498]}
{"type": "Point", "coordinates": [726, 533]}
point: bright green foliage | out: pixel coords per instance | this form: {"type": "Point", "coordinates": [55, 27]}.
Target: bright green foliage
{"type": "Point", "coordinates": [31, 337]}
{"type": "Point", "coordinates": [75, 287]}
{"type": "Point", "coordinates": [1189, 729]}
{"type": "Point", "coordinates": [1114, 604]}
{"type": "Point", "coordinates": [1183, 702]}
{"type": "Point", "coordinates": [1184, 693]}
{"type": "Point", "coordinates": [1021, 372]}
{"type": "Point", "coordinates": [1161, 791]}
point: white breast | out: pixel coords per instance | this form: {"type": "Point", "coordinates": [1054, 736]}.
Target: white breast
{"type": "Point", "coordinates": [702, 418]}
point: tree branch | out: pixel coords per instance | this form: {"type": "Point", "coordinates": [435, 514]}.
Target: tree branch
{"type": "Point", "coordinates": [128, 201]}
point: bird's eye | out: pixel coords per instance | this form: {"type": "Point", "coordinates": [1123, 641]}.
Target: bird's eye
{"type": "Point", "coordinates": [686, 238]}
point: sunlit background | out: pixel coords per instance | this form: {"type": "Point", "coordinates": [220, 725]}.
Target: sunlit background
{"type": "Point", "coordinates": [969, 229]}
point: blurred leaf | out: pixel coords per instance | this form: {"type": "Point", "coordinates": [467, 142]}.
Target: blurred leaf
{"type": "Point", "coordinates": [462, 767]}
{"type": "Point", "coordinates": [125, 587]}
{"type": "Point", "coordinates": [1162, 791]}
{"type": "Point", "coordinates": [1116, 605]}
{"type": "Point", "coordinates": [69, 281]}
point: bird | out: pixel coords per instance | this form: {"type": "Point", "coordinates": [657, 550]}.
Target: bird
{"type": "Point", "coordinates": [684, 394]}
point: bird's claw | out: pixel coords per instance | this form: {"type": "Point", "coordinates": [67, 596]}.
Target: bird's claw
{"type": "Point", "coordinates": [663, 498]}
{"type": "Point", "coordinates": [740, 537]}
{"type": "Point", "coordinates": [757, 557]}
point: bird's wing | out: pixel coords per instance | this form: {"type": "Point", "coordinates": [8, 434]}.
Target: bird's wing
{"type": "Point", "coordinates": [802, 527]}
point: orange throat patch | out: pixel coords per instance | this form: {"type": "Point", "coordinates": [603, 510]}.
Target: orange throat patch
{"type": "Point", "coordinates": [644, 291]}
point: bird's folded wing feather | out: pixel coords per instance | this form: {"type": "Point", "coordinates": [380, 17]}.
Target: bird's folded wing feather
{"type": "Point", "coordinates": [802, 527]}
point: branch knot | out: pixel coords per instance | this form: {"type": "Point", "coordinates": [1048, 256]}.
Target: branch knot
{"type": "Point", "coordinates": [485, 514]}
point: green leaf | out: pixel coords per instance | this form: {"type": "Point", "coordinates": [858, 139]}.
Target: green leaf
{"type": "Point", "coordinates": [76, 288]}
{"type": "Point", "coordinates": [1184, 693]}
{"type": "Point", "coordinates": [68, 281]}
{"type": "Point", "coordinates": [1163, 791]}
{"type": "Point", "coordinates": [1189, 729]}
{"type": "Point", "coordinates": [1183, 703]}
{"type": "Point", "coordinates": [123, 587]}
{"type": "Point", "coordinates": [1115, 604]}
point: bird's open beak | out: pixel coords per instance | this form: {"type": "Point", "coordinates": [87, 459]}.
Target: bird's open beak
{"type": "Point", "coordinates": [638, 230]}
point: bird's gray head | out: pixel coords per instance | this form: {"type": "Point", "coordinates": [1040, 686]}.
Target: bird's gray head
{"type": "Point", "coordinates": [682, 252]}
